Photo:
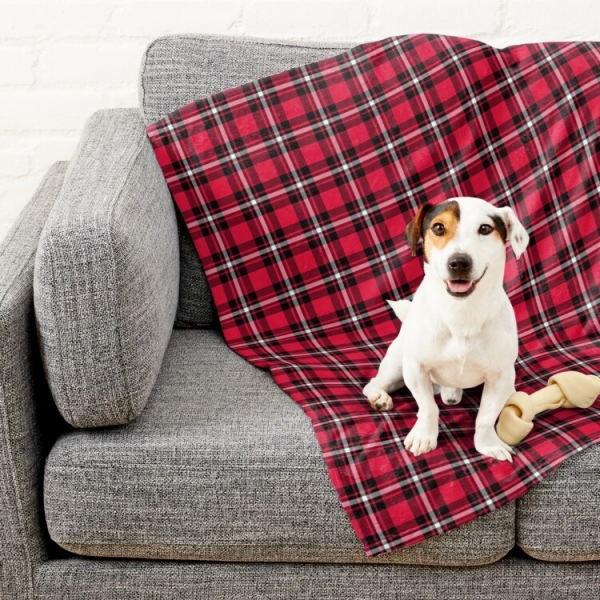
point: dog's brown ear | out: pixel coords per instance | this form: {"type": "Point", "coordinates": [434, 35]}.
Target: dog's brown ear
{"type": "Point", "coordinates": [414, 230]}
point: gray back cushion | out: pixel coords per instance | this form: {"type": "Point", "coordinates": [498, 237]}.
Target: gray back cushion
{"type": "Point", "coordinates": [177, 70]}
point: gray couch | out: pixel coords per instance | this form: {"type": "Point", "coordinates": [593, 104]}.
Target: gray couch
{"type": "Point", "coordinates": [141, 458]}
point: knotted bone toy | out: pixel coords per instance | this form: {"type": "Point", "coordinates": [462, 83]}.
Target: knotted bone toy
{"type": "Point", "coordinates": [569, 389]}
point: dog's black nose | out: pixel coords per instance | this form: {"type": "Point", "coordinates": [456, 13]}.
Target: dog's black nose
{"type": "Point", "coordinates": [460, 265]}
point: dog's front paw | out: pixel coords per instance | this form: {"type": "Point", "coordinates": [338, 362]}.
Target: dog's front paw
{"type": "Point", "coordinates": [489, 444]}
{"type": "Point", "coordinates": [422, 438]}
{"type": "Point", "coordinates": [381, 401]}
{"type": "Point", "coordinates": [378, 398]}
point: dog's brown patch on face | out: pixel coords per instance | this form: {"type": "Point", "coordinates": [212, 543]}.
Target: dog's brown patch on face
{"type": "Point", "coordinates": [446, 214]}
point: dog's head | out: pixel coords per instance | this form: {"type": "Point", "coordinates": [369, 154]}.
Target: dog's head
{"type": "Point", "coordinates": [464, 241]}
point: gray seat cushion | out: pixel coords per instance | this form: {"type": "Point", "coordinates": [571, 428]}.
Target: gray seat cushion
{"type": "Point", "coordinates": [107, 275]}
{"type": "Point", "coordinates": [221, 465]}
{"type": "Point", "coordinates": [179, 69]}
{"type": "Point", "coordinates": [558, 519]}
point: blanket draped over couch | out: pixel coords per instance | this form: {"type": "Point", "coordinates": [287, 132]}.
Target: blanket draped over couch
{"type": "Point", "coordinates": [296, 190]}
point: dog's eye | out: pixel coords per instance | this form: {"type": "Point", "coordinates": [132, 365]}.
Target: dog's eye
{"type": "Point", "coordinates": [438, 229]}
{"type": "Point", "coordinates": [485, 229]}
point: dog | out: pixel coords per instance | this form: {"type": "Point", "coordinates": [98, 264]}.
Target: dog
{"type": "Point", "coordinates": [460, 330]}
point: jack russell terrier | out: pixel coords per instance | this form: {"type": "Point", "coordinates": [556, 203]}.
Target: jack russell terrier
{"type": "Point", "coordinates": [459, 331]}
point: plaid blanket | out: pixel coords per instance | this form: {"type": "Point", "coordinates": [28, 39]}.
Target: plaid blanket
{"type": "Point", "coordinates": [296, 190]}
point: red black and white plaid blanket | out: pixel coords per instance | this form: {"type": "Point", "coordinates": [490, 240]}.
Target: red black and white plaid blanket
{"type": "Point", "coordinates": [296, 190]}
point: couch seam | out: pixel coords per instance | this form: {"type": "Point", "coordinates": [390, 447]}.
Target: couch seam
{"type": "Point", "coordinates": [51, 249]}
{"type": "Point", "coordinates": [491, 559]}
{"type": "Point", "coordinates": [550, 551]}
{"type": "Point", "coordinates": [141, 88]}
{"type": "Point", "coordinates": [118, 312]}
{"type": "Point", "coordinates": [61, 378]}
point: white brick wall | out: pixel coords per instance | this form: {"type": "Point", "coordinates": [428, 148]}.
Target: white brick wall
{"type": "Point", "coordinates": [60, 60]}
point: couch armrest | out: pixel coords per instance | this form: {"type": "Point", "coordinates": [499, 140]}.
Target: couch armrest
{"type": "Point", "coordinates": [106, 279]}
{"type": "Point", "coordinates": [24, 398]}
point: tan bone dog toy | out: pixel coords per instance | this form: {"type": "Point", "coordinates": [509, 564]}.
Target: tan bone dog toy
{"type": "Point", "coordinates": [569, 389]}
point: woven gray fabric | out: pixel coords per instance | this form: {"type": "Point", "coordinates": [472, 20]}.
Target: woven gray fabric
{"type": "Point", "coordinates": [221, 465]}
{"type": "Point", "coordinates": [177, 70]}
{"type": "Point", "coordinates": [509, 579]}
{"type": "Point", "coordinates": [23, 398]}
{"type": "Point", "coordinates": [558, 519]}
{"type": "Point", "coordinates": [107, 275]}
{"type": "Point", "coordinates": [196, 307]}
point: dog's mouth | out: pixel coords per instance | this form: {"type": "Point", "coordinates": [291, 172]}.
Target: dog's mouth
{"type": "Point", "coordinates": [461, 288]}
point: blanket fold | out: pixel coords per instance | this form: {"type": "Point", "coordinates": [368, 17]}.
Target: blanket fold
{"type": "Point", "coordinates": [296, 190]}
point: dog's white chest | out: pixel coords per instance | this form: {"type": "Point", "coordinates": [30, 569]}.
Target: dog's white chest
{"type": "Point", "coordinates": [460, 363]}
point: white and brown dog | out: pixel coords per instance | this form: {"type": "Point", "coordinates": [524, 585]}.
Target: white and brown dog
{"type": "Point", "coordinates": [459, 331]}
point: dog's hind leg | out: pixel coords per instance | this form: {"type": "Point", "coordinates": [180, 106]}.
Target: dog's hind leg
{"type": "Point", "coordinates": [388, 379]}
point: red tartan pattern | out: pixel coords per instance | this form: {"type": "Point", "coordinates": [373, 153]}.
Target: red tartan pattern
{"type": "Point", "coordinates": [296, 190]}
